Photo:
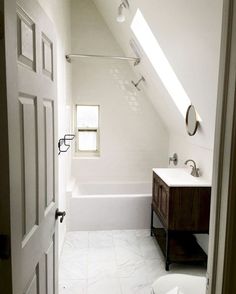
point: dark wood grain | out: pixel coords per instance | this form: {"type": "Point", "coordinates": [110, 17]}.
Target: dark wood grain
{"type": "Point", "coordinates": [182, 211]}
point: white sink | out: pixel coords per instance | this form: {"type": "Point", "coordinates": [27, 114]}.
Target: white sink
{"type": "Point", "coordinates": [180, 177]}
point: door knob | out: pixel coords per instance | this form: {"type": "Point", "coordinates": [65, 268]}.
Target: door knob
{"type": "Point", "coordinates": [60, 214]}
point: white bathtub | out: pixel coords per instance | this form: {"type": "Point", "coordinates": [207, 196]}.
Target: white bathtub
{"type": "Point", "coordinates": [109, 206]}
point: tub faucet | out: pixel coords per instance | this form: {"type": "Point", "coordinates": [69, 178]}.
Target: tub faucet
{"type": "Point", "coordinates": [195, 170]}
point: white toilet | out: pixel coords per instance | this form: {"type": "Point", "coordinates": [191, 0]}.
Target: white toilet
{"type": "Point", "coordinates": [179, 284]}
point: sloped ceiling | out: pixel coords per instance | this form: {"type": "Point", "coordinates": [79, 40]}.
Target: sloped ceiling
{"type": "Point", "coordinates": [188, 32]}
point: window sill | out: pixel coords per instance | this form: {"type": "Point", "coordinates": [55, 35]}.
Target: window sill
{"type": "Point", "coordinates": [86, 155]}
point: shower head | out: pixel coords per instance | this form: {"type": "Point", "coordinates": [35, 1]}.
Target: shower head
{"type": "Point", "coordinates": [142, 79]}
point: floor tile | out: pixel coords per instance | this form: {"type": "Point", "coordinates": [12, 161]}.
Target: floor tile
{"type": "Point", "coordinates": [154, 269]}
{"type": "Point", "coordinates": [74, 267]}
{"type": "Point", "coordinates": [104, 286]}
{"type": "Point", "coordinates": [125, 239]}
{"type": "Point", "coordinates": [73, 287]}
{"type": "Point", "coordinates": [100, 239]}
{"type": "Point", "coordinates": [142, 233]}
{"type": "Point", "coordinates": [128, 255]}
{"type": "Point", "coordinates": [114, 262]}
{"type": "Point", "coordinates": [76, 240]}
{"type": "Point", "coordinates": [101, 263]}
{"type": "Point", "coordinates": [130, 270]}
{"type": "Point", "coordinates": [149, 248]}
{"type": "Point", "coordinates": [135, 285]}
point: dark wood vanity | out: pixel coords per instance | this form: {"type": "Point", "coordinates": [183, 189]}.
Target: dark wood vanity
{"type": "Point", "coordinates": [183, 212]}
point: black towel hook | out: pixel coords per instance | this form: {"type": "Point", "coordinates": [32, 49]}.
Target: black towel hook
{"type": "Point", "coordinates": [63, 141]}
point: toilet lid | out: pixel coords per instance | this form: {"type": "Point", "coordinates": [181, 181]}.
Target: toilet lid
{"type": "Point", "coordinates": [184, 284]}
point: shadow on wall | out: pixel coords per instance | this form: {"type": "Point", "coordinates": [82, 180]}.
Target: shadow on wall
{"type": "Point", "coordinates": [130, 93]}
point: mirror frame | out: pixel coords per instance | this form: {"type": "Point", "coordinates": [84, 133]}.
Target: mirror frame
{"type": "Point", "coordinates": [187, 121]}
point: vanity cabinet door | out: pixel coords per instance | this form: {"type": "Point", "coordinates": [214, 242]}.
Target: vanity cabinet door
{"type": "Point", "coordinates": [155, 193]}
{"type": "Point", "coordinates": [164, 204]}
{"type": "Point", "coordinates": [160, 200]}
{"type": "Point", "coordinates": [189, 209]}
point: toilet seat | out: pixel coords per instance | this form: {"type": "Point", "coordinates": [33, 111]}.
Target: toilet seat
{"type": "Point", "coordinates": [186, 284]}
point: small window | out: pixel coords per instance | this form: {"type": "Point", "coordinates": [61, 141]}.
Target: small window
{"type": "Point", "coordinates": [87, 120]}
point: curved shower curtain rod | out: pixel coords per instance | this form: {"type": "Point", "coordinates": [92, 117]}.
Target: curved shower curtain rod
{"type": "Point", "coordinates": [135, 59]}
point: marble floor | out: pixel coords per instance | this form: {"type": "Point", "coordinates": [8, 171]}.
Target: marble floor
{"type": "Point", "coordinates": [113, 262]}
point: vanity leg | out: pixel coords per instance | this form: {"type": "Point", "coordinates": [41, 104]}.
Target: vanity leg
{"type": "Point", "coordinates": [167, 251]}
{"type": "Point", "coordinates": [167, 267]}
{"type": "Point", "coordinates": [151, 230]}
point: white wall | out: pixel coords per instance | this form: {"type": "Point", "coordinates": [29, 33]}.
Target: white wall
{"type": "Point", "coordinates": [133, 138]}
{"type": "Point", "coordinates": [189, 34]}
{"type": "Point", "coordinates": [59, 12]}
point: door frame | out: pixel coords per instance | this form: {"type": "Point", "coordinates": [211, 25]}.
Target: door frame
{"type": "Point", "coordinates": [5, 264]}
{"type": "Point", "coordinates": [222, 256]}
{"type": "Point", "coordinates": [221, 262]}
{"type": "Point", "coordinates": [7, 54]}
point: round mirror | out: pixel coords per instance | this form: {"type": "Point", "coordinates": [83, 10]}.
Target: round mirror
{"type": "Point", "coordinates": [191, 120]}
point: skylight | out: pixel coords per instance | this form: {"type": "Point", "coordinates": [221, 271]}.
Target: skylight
{"type": "Point", "coordinates": [159, 61]}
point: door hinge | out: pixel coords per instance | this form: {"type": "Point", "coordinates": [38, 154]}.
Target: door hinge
{"type": "Point", "coordinates": [4, 247]}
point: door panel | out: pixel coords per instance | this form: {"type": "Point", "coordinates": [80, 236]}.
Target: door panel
{"type": "Point", "coordinates": [49, 150]}
{"type": "Point", "coordinates": [50, 276]}
{"type": "Point", "coordinates": [28, 131]}
{"type": "Point", "coordinates": [47, 56]}
{"type": "Point", "coordinates": [26, 39]}
{"type": "Point", "coordinates": [33, 288]}
{"type": "Point", "coordinates": [32, 104]}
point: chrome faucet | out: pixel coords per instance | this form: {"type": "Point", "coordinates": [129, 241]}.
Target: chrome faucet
{"type": "Point", "coordinates": [195, 170]}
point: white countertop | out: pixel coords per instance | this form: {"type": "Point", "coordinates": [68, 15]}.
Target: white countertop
{"type": "Point", "coordinates": [180, 177]}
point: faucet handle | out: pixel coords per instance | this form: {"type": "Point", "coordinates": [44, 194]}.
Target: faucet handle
{"type": "Point", "coordinates": [174, 158]}
{"type": "Point", "coordinates": [195, 171]}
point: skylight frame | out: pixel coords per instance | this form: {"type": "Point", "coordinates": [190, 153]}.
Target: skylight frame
{"type": "Point", "coordinates": [160, 63]}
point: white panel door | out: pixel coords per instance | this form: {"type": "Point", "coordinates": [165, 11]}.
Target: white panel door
{"type": "Point", "coordinates": [32, 107]}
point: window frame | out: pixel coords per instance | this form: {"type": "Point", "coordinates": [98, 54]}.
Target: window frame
{"type": "Point", "coordinates": [87, 153]}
